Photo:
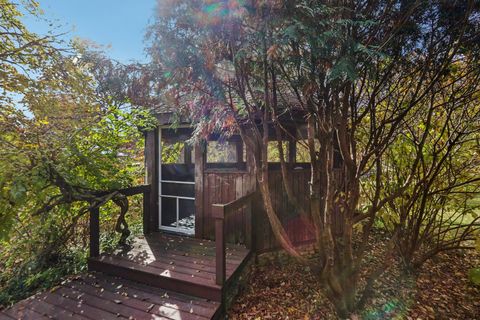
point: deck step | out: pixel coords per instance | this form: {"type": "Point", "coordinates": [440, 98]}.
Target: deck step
{"type": "Point", "coordinates": [99, 296]}
{"type": "Point", "coordinates": [181, 264]}
{"type": "Point", "coordinates": [157, 277]}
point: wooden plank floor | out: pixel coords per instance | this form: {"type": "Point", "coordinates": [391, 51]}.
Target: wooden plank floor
{"type": "Point", "coordinates": [98, 296]}
{"type": "Point", "coordinates": [177, 263]}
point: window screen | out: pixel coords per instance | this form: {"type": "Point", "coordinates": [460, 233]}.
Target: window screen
{"type": "Point", "coordinates": [173, 152]}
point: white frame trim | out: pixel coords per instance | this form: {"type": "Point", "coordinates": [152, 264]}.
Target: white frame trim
{"type": "Point", "coordinates": [160, 195]}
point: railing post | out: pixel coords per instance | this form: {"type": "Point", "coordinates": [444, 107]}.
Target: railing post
{"type": "Point", "coordinates": [218, 213]}
{"type": "Point", "coordinates": [94, 232]}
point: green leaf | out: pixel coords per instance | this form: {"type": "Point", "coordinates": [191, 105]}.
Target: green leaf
{"type": "Point", "coordinates": [291, 32]}
{"type": "Point", "coordinates": [344, 68]}
{"type": "Point", "coordinates": [474, 276]}
{"type": "Point", "coordinates": [18, 192]}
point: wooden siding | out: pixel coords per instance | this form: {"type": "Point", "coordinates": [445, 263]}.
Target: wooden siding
{"type": "Point", "coordinates": [294, 225]}
{"type": "Point", "coordinates": [223, 187]}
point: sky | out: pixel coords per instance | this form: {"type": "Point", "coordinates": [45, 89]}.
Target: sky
{"type": "Point", "coordinates": [120, 24]}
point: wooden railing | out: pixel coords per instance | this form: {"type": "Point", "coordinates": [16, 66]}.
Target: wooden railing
{"type": "Point", "coordinates": [95, 215]}
{"type": "Point", "coordinates": [219, 213]}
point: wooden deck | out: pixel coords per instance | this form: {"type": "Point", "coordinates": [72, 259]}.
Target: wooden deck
{"type": "Point", "coordinates": [159, 276]}
{"type": "Point", "coordinates": [97, 296]}
{"type": "Point", "coordinates": [181, 264]}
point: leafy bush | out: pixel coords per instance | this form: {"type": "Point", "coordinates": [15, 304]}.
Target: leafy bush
{"type": "Point", "coordinates": [64, 138]}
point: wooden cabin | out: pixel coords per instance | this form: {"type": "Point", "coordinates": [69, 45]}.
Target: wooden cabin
{"type": "Point", "coordinates": [203, 218]}
{"type": "Point", "coordinates": [188, 180]}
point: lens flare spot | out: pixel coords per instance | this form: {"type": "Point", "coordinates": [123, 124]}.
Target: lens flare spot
{"type": "Point", "coordinates": [215, 11]}
{"type": "Point", "coordinates": [212, 8]}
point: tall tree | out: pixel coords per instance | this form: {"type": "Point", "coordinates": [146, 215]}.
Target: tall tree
{"type": "Point", "coordinates": [21, 51]}
{"type": "Point", "coordinates": [356, 70]}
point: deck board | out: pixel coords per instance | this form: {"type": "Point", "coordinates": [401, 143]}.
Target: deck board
{"type": "Point", "coordinates": [166, 273]}
{"type": "Point", "coordinates": [183, 245]}
{"type": "Point", "coordinates": [41, 306]}
{"type": "Point", "coordinates": [145, 299]}
{"type": "Point", "coordinates": [158, 276]}
{"type": "Point", "coordinates": [145, 292]}
{"type": "Point", "coordinates": [23, 311]}
{"type": "Point", "coordinates": [98, 296]}
{"type": "Point", "coordinates": [137, 255]}
{"type": "Point", "coordinates": [185, 259]}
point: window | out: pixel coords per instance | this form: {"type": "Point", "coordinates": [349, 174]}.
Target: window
{"type": "Point", "coordinates": [222, 152]}
{"type": "Point", "coordinates": [226, 154]}
{"type": "Point", "coordinates": [173, 152]}
{"type": "Point", "coordinates": [303, 152]}
{"type": "Point", "coordinates": [175, 149]}
{"type": "Point", "coordinates": [273, 153]}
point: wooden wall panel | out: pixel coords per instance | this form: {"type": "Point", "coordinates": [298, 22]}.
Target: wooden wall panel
{"type": "Point", "coordinates": [296, 227]}
{"type": "Point", "coordinates": [223, 187]}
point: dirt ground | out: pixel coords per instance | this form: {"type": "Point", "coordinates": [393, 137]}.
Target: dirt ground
{"type": "Point", "coordinates": [278, 288]}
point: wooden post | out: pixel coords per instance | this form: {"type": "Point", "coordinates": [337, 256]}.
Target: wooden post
{"type": "Point", "coordinates": [94, 232]}
{"type": "Point", "coordinates": [146, 212]}
{"type": "Point", "coordinates": [150, 216]}
{"type": "Point", "coordinates": [199, 154]}
{"type": "Point", "coordinates": [239, 150]}
{"type": "Point", "coordinates": [292, 152]}
{"type": "Point", "coordinates": [250, 216]}
{"type": "Point", "coordinates": [218, 212]}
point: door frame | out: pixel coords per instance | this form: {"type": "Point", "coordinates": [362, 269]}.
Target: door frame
{"type": "Point", "coordinates": [178, 198]}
